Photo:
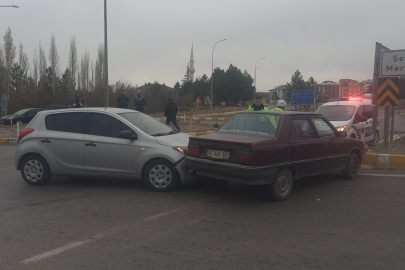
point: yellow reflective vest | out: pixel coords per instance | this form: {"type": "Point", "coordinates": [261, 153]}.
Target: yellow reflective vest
{"type": "Point", "coordinates": [251, 109]}
{"type": "Point", "coordinates": [273, 119]}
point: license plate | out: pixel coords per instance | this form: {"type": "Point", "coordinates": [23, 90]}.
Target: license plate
{"type": "Point", "coordinates": [218, 154]}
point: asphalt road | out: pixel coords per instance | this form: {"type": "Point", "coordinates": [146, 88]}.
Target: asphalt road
{"type": "Point", "coordinates": [327, 223]}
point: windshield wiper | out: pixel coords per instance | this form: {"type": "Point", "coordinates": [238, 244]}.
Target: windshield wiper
{"type": "Point", "coordinates": [165, 133]}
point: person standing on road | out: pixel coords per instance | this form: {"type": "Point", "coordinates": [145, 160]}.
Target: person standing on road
{"type": "Point", "coordinates": [258, 105]}
{"type": "Point", "coordinates": [280, 107]}
{"type": "Point", "coordinates": [139, 102]}
{"type": "Point", "coordinates": [122, 100]}
{"type": "Point", "coordinates": [79, 103]}
{"type": "Point", "coordinates": [171, 110]}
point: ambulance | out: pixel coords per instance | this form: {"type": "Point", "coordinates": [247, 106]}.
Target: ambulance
{"type": "Point", "coordinates": [350, 114]}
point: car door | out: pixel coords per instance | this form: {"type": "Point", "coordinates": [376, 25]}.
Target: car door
{"type": "Point", "coordinates": [104, 152]}
{"type": "Point", "coordinates": [333, 148]}
{"type": "Point", "coordinates": [61, 139]}
{"type": "Point", "coordinates": [359, 120]}
{"type": "Point", "coordinates": [306, 147]}
{"type": "Point", "coordinates": [369, 111]}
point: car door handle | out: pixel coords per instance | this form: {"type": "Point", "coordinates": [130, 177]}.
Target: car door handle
{"type": "Point", "coordinates": [90, 144]}
{"type": "Point", "coordinates": [46, 141]}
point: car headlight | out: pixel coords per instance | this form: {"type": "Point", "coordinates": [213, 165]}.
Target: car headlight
{"type": "Point", "coordinates": [342, 128]}
{"type": "Point", "coordinates": [181, 149]}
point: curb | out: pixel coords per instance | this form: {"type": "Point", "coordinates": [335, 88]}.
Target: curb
{"type": "Point", "coordinates": [200, 133]}
{"type": "Point", "coordinates": [8, 141]}
{"type": "Point", "coordinates": [384, 160]}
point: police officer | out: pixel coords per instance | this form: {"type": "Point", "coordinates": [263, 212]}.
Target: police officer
{"type": "Point", "coordinates": [280, 107]}
{"type": "Point", "coordinates": [258, 105]}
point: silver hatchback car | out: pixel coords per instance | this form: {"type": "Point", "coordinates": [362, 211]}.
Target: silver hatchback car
{"type": "Point", "coordinates": [102, 142]}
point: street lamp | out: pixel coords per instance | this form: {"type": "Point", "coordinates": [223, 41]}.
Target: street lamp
{"type": "Point", "coordinates": [254, 83]}
{"type": "Point", "coordinates": [212, 73]}
{"type": "Point", "coordinates": [11, 6]}
{"type": "Point", "coordinates": [105, 53]}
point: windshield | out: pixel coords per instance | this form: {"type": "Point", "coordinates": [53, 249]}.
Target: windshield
{"type": "Point", "coordinates": [147, 124]}
{"type": "Point", "coordinates": [337, 112]}
{"type": "Point", "coordinates": [252, 124]}
{"type": "Point", "coordinates": [21, 112]}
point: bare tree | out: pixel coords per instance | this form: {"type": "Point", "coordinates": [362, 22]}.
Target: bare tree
{"type": "Point", "coordinates": [35, 67]}
{"type": "Point", "coordinates": [42, 67]}
{"type": "Point", "coordinates": [23, 59]}
{"type": "Point", "coordinates": [72, 67]}
{"type": "Point", "coordinates": [54, 62]}
{"type": "Point", "coordinates": [9, 56]}
{"type": "Point", "coordinates": [84, 71]}
{"type": "Point", "coordinates": [98, 76]}
{"type": "Point", "coordinates": [2, 74]}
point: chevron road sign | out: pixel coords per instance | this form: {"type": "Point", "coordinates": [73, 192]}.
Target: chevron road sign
{"type": "Point", "coordinates": [388, 92]}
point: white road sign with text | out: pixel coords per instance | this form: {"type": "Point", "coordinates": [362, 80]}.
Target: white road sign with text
{"type": "Point", "coordinates": [393, 63]}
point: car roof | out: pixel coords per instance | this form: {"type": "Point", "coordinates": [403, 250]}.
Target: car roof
{"type": "Point", "coordinates": [352, 103]}
{"type": "Point", "coordinates": [92, 109]}
{"type": "Point", "coordinates": [280, 112]}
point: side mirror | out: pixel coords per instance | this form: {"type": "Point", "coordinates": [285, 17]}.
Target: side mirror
{"type": "Point", "coordinates": [342, 133]}
{"type": "Point", "coordinates": [128, 134]}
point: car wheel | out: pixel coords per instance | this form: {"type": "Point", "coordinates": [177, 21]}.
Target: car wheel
{"type": "Point", "coordinates": [352, 167]}
{"type": "Point", "coordinates": [35, 170]}
{"type": "Point", "coordinates": [160, 175]}
{"type": "Point", "coordinates": [282, 185]}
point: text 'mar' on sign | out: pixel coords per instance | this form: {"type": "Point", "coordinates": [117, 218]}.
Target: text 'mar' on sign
{"type": "Point", "coordinates": [393, 63]}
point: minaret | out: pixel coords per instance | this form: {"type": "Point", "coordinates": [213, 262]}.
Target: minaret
{"type": "Point", "coordinates": [191, 69]}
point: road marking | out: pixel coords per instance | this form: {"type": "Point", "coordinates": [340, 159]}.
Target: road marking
{"type": "Point", "coordinates": [55, 251]}
{"type": "Point", "coordinates": [385, 175]}
{"type": "Point", "coordinates": [161, 215]}
{"type": "Point", "coordinates": [67, 247]}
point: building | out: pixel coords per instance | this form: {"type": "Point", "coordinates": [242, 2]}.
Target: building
{"type": "Point", "coordinates": [280, 92]}
{"type": "Point", "coordinates": [328, 90]}
{"type": "Point", "coordinates": [348, 87]}
{"type": "Point", "coordinates": [190, 66]}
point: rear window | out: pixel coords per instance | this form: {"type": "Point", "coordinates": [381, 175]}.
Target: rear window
{"type": "Point", "coordinates": [337, 112]}
{"type": "Point", "coordinates": [65, 122]}
{"type": "Point", "coordinates": [252, 124]}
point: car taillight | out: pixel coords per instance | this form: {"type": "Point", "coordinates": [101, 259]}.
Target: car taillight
{"type": "Point", "coordinates": [245, 158]}
{"type": "Point", "coordinates": [24, 133]}
{"type": "Point", "coordinates": [193, 151]}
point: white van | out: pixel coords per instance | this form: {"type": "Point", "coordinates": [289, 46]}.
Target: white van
{"type": "Point", "coordinates": [349, 114]}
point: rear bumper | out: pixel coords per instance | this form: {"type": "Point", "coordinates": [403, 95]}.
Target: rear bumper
{"type": "Point", "coordinates": [185, 177]}
{"type": "Point", "coordinates": [249, 175]}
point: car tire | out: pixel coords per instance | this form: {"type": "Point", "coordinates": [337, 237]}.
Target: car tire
{"type": "Point", "coordinates": [282, 185]}
{"type": "Point", "coordinates": [352, 166]}
{"type": "Point", "coordinates": [35, 170]}
{"type": "Point", "coordinates": [160, 175]}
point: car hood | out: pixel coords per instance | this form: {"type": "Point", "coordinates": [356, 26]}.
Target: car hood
{"type": "Point", "coordinates": [339, 123]}
{"type": "Point", "coordinates": [179, 139]}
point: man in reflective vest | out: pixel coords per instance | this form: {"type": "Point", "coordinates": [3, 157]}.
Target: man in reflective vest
{"type": "Point", "coordinates": [280, 107]}
{"type": "Point", "coordinates": [258, 105]}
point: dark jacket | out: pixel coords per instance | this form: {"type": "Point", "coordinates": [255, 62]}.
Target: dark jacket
{"type": "Point", "coordinates": [77, 104]}
{"type": "Point", "coordinates": [122, 101]}
{"type": "Point", "coordinates": [139, 102]}
{"type": "Point", "coordinates": [171, 109]}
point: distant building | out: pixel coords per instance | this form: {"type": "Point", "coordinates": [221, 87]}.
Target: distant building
{"type": "Point", "coordinates": [190, 66]}
{"type": "Point", "coordinates": [280, 92]}
{"type": "Point", "coordinates": [348, 87]}
{"type": "Point", "coordinates": [366, 86]}
{"type": "Point", "coordinates": [328, 90]}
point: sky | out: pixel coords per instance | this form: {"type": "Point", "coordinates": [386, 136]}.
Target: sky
{"type": "Point", "coordinates": [150, 40]}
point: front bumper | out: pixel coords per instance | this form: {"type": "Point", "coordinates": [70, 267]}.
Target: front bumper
{"type": "Point", "coordinates": [185, 177]}
{"type": "Point", "coordinates": [250, 175]}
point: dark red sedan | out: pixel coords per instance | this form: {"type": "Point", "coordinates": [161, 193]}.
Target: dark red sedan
{"type": "Point", "coordinates": [274, 149]}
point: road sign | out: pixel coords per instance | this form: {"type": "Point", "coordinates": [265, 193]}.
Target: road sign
{"type": "Point", "coordinates": [393, 63]}
{"type": "Point", "coordinates": [302, 97]}
{"type": "Point", "coordinates": [307, 108]}
{"type": "Point", "coordinates": [388, 92]}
